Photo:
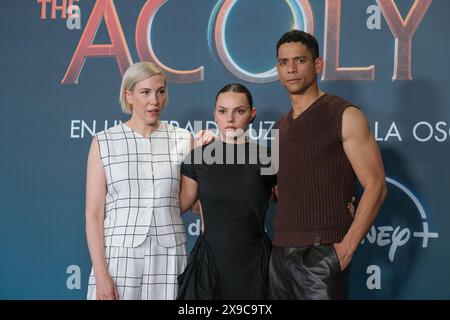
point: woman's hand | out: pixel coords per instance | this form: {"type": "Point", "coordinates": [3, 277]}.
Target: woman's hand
{"type": "Point", "coordinates": [106, 289]}
{"type": "Point", "coordinates": [204, 137]}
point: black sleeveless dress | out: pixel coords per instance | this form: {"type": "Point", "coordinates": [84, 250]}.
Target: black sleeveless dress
{"type": "Point", "coordinates": [230, 260]}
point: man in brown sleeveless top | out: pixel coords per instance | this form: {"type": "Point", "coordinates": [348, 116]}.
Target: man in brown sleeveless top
{"type": "Point", "coordinates": [325, 144]}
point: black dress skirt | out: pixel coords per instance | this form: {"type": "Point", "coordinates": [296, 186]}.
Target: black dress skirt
{"type": "Point", "coordinates": [230, 260]}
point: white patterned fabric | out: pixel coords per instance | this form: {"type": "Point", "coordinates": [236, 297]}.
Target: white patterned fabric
{"type": "Point", "coordinates": [143, 230]}
{"type": "Point", "coordinates": [148, 272]}
{"type": "Point", "coordinates": [143, 181]}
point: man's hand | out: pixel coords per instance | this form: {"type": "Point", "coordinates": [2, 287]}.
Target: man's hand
{"type": "Point", "coordinates": [344, 254]}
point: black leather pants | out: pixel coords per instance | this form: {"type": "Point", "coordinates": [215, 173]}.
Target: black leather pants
{"type": "Point", "coordinates": [307, 273]}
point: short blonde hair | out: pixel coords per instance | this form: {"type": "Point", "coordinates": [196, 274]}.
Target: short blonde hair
{"type": "Point", "coordinates": [134, 74]}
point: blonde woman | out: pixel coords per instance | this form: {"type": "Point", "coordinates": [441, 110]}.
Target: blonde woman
{"type": "Point", "coordinates": [135, 234]}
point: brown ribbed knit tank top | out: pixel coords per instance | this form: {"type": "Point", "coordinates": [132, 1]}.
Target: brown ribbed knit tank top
{"type": "Point", "coordinates": [315, 178]}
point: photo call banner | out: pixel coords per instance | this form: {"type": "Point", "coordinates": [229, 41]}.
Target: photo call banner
{"type": "Point", "coordinates": [61, 66]}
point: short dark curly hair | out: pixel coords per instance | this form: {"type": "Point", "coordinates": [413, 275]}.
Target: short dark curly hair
{"type": "Point", "coordinates": [303, 37]}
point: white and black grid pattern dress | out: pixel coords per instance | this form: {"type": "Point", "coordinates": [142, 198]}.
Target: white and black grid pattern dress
{"type": "Point", "coordinates": [143, 230]}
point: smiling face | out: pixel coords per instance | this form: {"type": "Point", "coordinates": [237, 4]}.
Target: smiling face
{"type": "Point", "coordinates": [233, 114]}
{"type": "Point", "coordinates": [296, 67]}
{"type": "Point", "coordinates": [147, 98]}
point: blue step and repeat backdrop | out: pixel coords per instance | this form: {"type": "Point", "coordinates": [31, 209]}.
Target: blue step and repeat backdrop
{"type": "Point", "coordinates": [61, 63]}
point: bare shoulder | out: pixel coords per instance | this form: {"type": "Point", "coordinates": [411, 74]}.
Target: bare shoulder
{"type": "Point", "coordinates": [94, 143]}
{"type": "Point", "coordinates": [94, 140]}
{"type": "Point", "coordinates": [354, 123]}
{"type": "Point", "coordinates": [353, 114]}
{"type": "Point", "coordinates": [94, 152]}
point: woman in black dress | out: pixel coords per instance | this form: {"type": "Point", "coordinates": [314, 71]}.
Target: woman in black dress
{"type": "Point", "coordinates": [230, 258]}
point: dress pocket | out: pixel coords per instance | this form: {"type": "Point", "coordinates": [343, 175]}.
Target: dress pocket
{"type": "Point", "coordinates": [199, 279]}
